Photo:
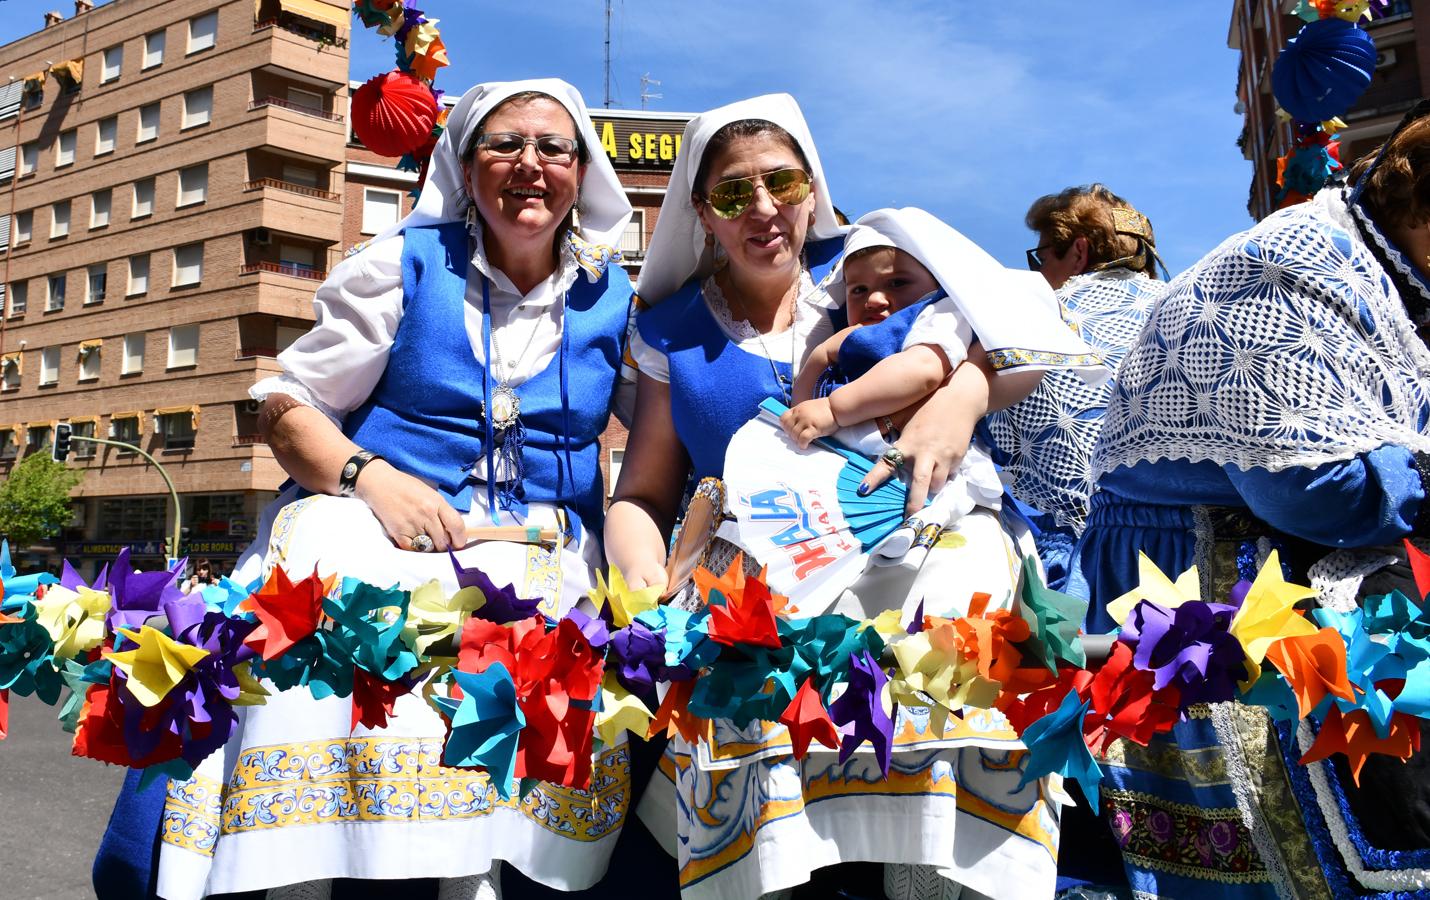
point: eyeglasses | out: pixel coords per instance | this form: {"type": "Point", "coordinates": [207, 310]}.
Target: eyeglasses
{"type": "Point", "coordinates": [552, 148]}
{"type": "Point", "coordinates": [730, 199]}
{"type": "Point", "coordinates": [1035, 257]}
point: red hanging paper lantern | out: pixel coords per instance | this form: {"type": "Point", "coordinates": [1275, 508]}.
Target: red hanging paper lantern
{"type": "Point", "coordinates": [393, 113]}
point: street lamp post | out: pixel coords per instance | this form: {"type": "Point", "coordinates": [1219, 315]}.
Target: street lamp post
{"type": "Point", "coordinates": [61, 451]}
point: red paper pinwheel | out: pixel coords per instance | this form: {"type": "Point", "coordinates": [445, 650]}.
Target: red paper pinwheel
{"type": "Point", "coordinates": [807, 719]}
{"type": "Point", "coordinates": [286, 612]}
{"type": "Point", "coordinates": [1125, 705]}
{"type": "Point", "coordinates": [393, 114]}
{"type": "Point", "coordinates": [557, 675]}
{"type": "Point", "coordinates": [748, 616]}
{"type": "Point", "coordinates": [373, 699]}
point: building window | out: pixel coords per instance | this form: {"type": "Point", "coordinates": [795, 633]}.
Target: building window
{"type": "Point", "coordinates": [105, 132]}
{"type": "Point", "coordinates": [24, 226]}
{"type": "Point", "coordinates": [113, 60]}
{"type": "Point", "coordinates": [183, 346]}
{"type": "Point", "coordinates": [133, 360]}
{"type": "Point", "coordinates": [616, 457]}
{"type": "Point", "coordinates": [9, 445]}
{"type": "Point", "coordinates": [98, 282]}
{"type": "Point", "coordinates": [33, 97]}
{"type": "Point", "coordinates": [188, 264]}
{"type": "Point", "coordinates": [301, 175]}
{"type": "Point", "coordinates": [89, 360]}
{"type": "Point", "coordinates": [198, 106]}
{"type": "Point", "coordinates": [133, 518]}
{"type": "Point", "coordinates": [177, 429]}
{"type": "Point", "coordinates": [50, 365]}
{"type": "Point", "coordinates": [143, 199]}
{"type": "Point", "coordinates": [138, 275]}
{"type": "Point", "coordinates": [37, 437]}
{"type": "Point", "coordinates": [633, 238]}
{"type": "Point", "coordinates": [10, 372]}
{"type": "Point", "coordinates": [60, 219]}
{"type": "Point", "coordinates": [295, 257]}
{"type": "Point", "coordinates": [55, 300]}
{"type": "Point", "coordinates": [193, 185]}
{"type": "Point", "coordinates": [202, 31]}
{"type": "Point", "coordinates": [153, 49]}
{"type": "Point", "coordinates": [64, 148]}
{"type": "Point", "coordinates": [83, 449]}
{"type": "Point", "coordinates": [19, 297]}
{"type": "Point", "coordinates": [379, 209]}
{"type": "Point", "coordinates": [148, 123]}
{"type": "Point", "coordinates": [29, 157]}
{"type": "Point", "coordinates": [308, 101]}
{"type": "Point", "coordinates": [99, 208]}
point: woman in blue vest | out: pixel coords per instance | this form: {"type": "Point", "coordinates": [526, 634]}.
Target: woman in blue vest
{"type": "Point", "coordinates": [736, 279]}
{"type": "Point", "coordinates": [461, 369]}
{"type": "Point", "coordinates": [1275, 400]}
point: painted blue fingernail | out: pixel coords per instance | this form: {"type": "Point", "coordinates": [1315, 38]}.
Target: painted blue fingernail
{"type": "Point", "coordinates": [864, 490]}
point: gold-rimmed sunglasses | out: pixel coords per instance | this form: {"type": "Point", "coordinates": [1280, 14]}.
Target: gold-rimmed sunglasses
{"type": "Point", "coordinates": [729, 199]}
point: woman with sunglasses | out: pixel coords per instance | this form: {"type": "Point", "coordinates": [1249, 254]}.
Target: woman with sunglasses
{"type": "Point", "coordinates": [1277, 399]}
{"type": "Point", "coordinates": [462, 366]}
{"type": "Point", "coordinates": [736, 280]}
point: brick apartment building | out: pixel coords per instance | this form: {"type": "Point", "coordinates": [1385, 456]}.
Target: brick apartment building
{"type": "Point", "coordinates": [1260, 28]}
{"type": "Point", "coordinates": [174, 195]}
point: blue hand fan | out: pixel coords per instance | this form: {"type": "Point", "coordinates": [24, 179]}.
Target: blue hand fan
{"type": "Point", "coordinates": [871, 518]}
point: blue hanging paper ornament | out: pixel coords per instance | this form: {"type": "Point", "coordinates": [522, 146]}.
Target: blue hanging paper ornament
{"type": "Point", "coordinates": [1323, 70]}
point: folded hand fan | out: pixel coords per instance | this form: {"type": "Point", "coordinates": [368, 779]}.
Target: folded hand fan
{"type": "Point", "coordinates": [697, 530]}
{"type": "Point", "coordinates": [799, 512]}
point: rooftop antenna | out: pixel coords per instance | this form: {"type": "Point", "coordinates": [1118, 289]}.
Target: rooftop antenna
{"type": "Point", "coordinates": [646, 94]}
{"type": "Point", "coordinates": [608, 54]}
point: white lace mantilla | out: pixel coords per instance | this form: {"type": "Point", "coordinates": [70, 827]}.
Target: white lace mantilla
{"type": "Point", "coordinates": [1286, 346]}
{"type": "Point", "coordinates": [1049, 436]}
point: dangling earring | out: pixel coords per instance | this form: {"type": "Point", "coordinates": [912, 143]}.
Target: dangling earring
{"type": "Point", "coordinates": [576, 218]}
{"type": "Point", "coordinates": [472, 216]}
{"type": "Point", "coordinates": [811, 218]}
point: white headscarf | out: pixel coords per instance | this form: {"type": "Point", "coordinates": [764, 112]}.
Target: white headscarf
{"type": "Point", "coordinates": [1014, 314]}
{"type": "Point", "coordinates": [602, 204]}
{"type": "Point", "coordinates": [677, 249]}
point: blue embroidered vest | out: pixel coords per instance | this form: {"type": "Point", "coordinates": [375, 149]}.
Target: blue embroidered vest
{"type": "Point", "coordinates": [715, 387]}
{"type": "Point", "coordinates": [424, 415]}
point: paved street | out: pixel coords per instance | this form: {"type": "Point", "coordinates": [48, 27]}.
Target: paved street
{"type": "Point", "coordinates": [53, 808]}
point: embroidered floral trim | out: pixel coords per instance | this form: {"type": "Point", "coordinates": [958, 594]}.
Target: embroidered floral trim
{"type": "Point", "coordinates": [1182, 839]}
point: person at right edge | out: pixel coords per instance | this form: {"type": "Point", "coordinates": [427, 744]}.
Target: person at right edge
{"type": "Point", "coordinates": [1277, 399]}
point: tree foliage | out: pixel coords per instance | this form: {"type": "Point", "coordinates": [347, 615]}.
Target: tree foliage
{"type": "Point", "coordinates": [35, 500]}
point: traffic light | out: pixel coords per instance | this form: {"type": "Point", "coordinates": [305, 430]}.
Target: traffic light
{"type": "Point", "coordinates": [60, 451]}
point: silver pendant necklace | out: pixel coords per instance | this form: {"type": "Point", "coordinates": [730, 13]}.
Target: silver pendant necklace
{"type": "Point", "coordinates": [786, 384]}
{"type": "Point", "coordinates": [505, 406]}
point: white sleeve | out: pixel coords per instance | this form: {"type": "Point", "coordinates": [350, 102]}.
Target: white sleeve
{"type": "Point", "coordinates": [646, 359]}
{"type": "Point", "coordinates": [941, 325]}
{"type": "Point", "coordinates": [339, 362]}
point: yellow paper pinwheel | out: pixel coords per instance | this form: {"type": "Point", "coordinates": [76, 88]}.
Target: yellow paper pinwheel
{"type": "Point", "coordinates": [1155, 587]}
{"type": "Point", "coordinates": [1268, 613]}
{"type": "Point", "coordinates": [625, 603]}
{"type": "Point", "coordinates": [887, 623]}
{"type": "Point", "coordinates": [251, 691]}
{"type": "Point", "coordinates": [395, 20]}
{"type": "Point", "coordinates": [156, 665]}
{"type": "Point", "coordinates": [433, 616]}
{"type": "Point", "coordinates": [620, 711]}
{"type": "Point", "coordinates": [74, 619]}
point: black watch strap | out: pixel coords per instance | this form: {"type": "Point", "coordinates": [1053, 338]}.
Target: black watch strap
{"type": "Point", "coordinates": [347, 478]}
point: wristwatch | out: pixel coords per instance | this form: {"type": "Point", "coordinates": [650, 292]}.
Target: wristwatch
{"type": "Point", "coordinates": [347, 478]}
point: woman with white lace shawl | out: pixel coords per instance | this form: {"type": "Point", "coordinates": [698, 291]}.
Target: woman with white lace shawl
{"type": "Point", "coordinates": [1277, 398]}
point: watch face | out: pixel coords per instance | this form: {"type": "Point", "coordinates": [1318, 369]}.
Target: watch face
{"type": "Point", "coordinates": [350, 470]}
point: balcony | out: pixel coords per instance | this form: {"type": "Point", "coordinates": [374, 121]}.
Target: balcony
{"type": "Point", "coordinates": [279, 102]}
{"type": "Point", "coordinates": [290, 187]}
{"type": "Point", "coordinates": [322, 35]}
{"type": "Point", "coordinates": [251, 352]}
{"type": "Point", "coordinates": [308, 272]}
{"type": "Point", "coordinates": [248, 440]}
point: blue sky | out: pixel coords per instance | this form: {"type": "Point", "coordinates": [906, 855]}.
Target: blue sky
{"type": "Point", "coordinates": [968, 109]}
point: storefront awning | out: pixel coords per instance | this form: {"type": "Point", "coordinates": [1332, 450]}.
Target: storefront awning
{"type": "Point", "coordinates": [71, 70]}
{"type": "Point", "coordinates": [317, 11]}
{"type": "Point", "coordinates": [178, 410]}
